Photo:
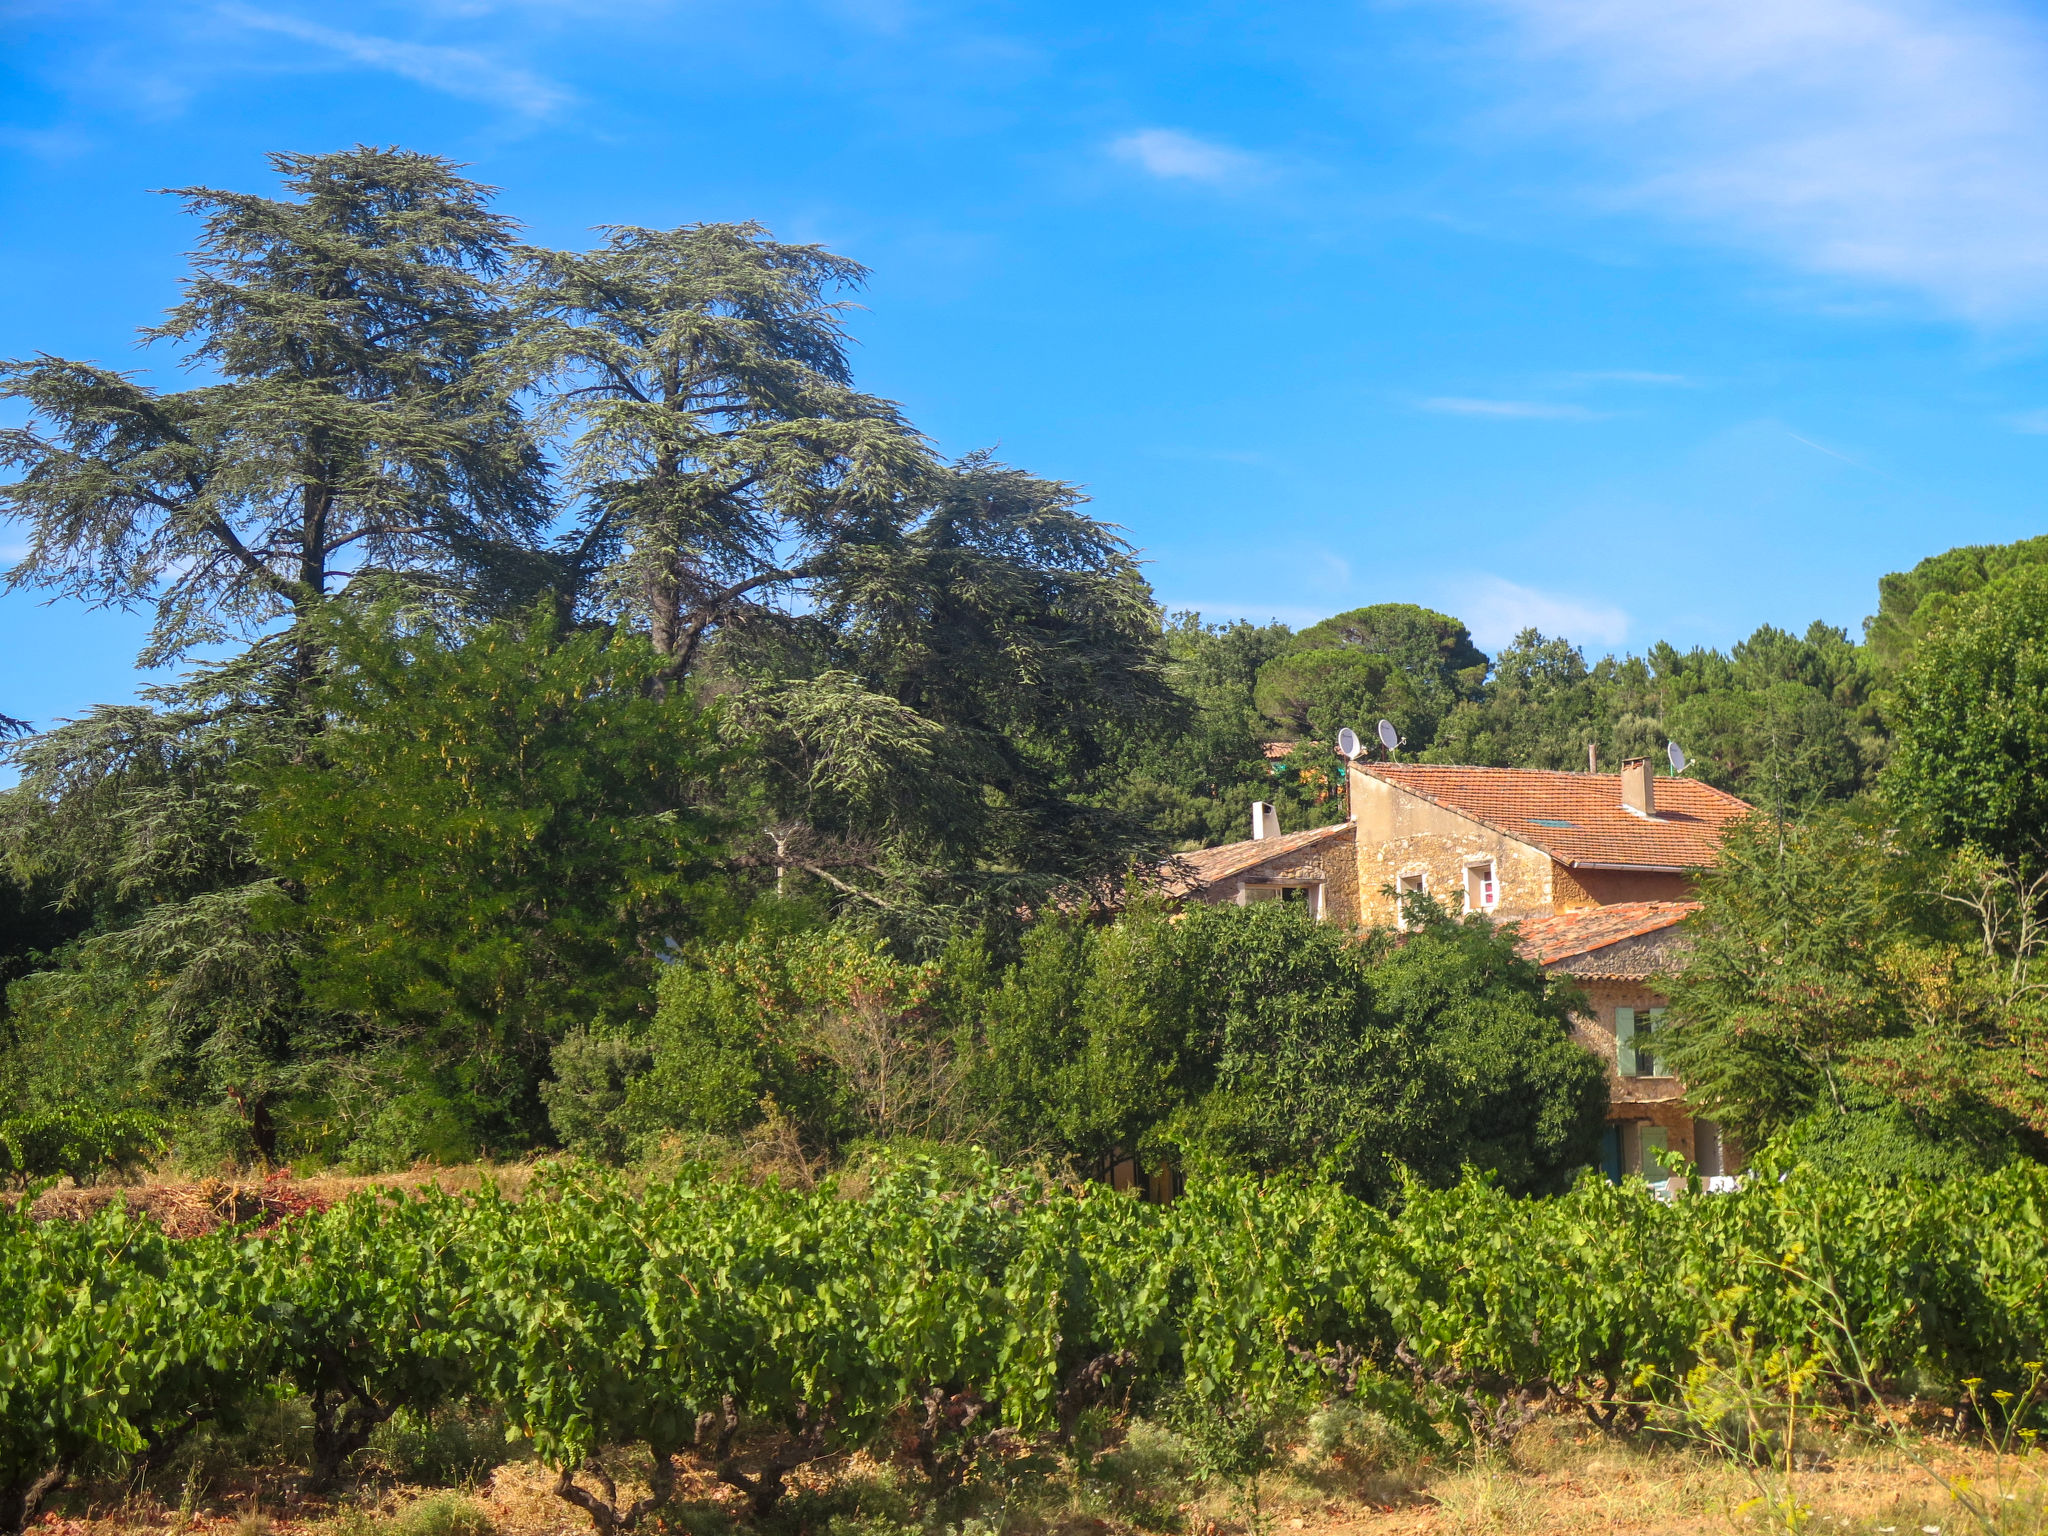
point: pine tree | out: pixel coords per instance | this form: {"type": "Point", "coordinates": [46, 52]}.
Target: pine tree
{"type": "Point", "coordinates": [345, 440]}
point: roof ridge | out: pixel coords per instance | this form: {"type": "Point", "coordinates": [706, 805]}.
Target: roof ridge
{"type": "Point", "coordinates": [1578, 819]}
{"type": "Point", "coordinates": [1572, 774]}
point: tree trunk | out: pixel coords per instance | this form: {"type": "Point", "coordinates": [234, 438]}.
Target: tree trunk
{"type": "Point", "coordinates": [20, 1500]}
{"type": "Point", "coordinates": [605, 1514]}
{"type": "Point", "coordinates": [342, 1425]}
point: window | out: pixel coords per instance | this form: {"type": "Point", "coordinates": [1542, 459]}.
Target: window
{"type": "Point", "coordinates": [1404, 887]}
{"type": "Point", "coordinates": [1655, 1143]}
{"type": "Point", "coordinates": [1633, 1028]}
{"type": "Point", "coordinates": [1482, 891]}
{"type": "Point", "coordinates": [1706, 1149]}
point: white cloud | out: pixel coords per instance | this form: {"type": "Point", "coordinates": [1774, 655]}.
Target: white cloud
{"type": "Point", "coordinates": [1903, 142]}
{"type": "Point", "coordinates": [1522, 410]}
{"type": "Point", "coordinates": [1177, 156]}
{"type": "Point", "coordinates": [1496, 610]}
{"type": "Point", "coordinates": [2033, 423]}
{"type": "Point", "coordinates": [454, 71]}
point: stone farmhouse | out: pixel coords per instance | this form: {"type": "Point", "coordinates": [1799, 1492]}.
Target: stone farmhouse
{"type": "Point", "coordinates": [1595, 870]}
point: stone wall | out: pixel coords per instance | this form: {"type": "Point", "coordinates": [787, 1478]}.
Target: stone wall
{"type": "Point", "coordinates": [1604, 887]}
{"type": "Point", "coordinates": [1402, 834]}
{"type": "Point", "coordinates": [1330, 864]}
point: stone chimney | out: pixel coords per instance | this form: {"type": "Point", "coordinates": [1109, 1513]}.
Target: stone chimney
{"type": "Point", "coordinates": [1265, 821]}
{"type": "Point", "coordinates": [1639, 786]}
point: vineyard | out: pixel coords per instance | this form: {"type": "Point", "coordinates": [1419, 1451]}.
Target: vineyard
{"type": "Point", "coordinates": [748, 1330]}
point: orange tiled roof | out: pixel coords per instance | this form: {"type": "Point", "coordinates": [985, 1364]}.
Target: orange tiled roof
{"type": "Point", "coordinates": [1547, 940]}
{"type": "Point", "coordinates": [1207, 866]}
{"type": "Point", "coordinates": [1578, 818]}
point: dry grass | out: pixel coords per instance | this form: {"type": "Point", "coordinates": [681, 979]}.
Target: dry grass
{"type": "Point", "coordinates": [187, 1207]}
{"type": "Point", "coordinates": [1559, 1478]}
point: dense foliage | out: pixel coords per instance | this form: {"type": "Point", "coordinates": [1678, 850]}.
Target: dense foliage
{"type": "Point", "coordinates": [358, 859]}
{"type": "Point", "coordinates": [1251, 1037]}
{"type": "Point", "coordinates": [570, 614]}
{"type": "Point", "coordinates": [753, 1328]}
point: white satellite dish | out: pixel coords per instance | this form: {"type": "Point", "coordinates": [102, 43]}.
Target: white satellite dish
{"type": "Point", "coordinates": [1347, 742]}
{"type": "Point", "coordinates": [1676, 753]}
{"type": "Point", "coordinates": [1389, 737]}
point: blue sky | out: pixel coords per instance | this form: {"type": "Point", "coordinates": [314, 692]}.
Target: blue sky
{"type": "Point", "coordinates": [1626, 320]}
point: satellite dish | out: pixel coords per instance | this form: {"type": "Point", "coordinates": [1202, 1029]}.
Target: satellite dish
{"type": "Point", "coordinates": [1347, 742]}
{"type": "Point", "coordinates": [1389, 737]}
{"type": "Point", "coordinates": [1676, 753]}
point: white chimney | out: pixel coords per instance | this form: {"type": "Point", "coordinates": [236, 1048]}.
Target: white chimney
{"type": "Point", "coordinates": [1639, 786]}
{"type": "Point", "coordinates": [1265, 821]}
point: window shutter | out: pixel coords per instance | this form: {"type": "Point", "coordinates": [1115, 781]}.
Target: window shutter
{"type": "Point", "coordinates": [1625, 1041]}
{"type": "Point", "coordinates": [1656, 1144]}
{"type": "Point", "coordinates": [1653, 1021]}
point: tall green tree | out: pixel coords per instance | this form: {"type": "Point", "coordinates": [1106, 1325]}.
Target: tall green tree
{"type": "Point", "coordinates": [924, 659]}
{"type": "Point", "coordinates": [1970, 759]}
{"type": "Point", "coordinates": [496, 842]}
{"type": "Point", "coordinates": [700, 379]}
{"type": "Point", "coordinates": [342, 439]}
{"type": "Point", "coordinates": [1009, 641]}
{"type": "Point", "coordinates": [1909, 603]}
{"type": "Point", "coordinates": [344, 432]}
{"type": "Point", "coordinates": [1855, 998]}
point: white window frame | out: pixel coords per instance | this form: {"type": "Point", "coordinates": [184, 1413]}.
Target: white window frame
{"type": "Point", "coordinates": [1315, 893]}
{"type": "Point", "coordinates": [1402, 891]}
{"type": "Point", "coordinates": [1488, 884]}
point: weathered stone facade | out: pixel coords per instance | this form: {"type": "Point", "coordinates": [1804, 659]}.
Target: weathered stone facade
{"type": "Point", "coordinates": [1403, 838]}
{"type": "Point", "coordinates": [1574, 888]}
{"type": "Point", "coordinates": [1318, 867]}
{"type": "Point", "coordinates": [1641, 1103]}
{"type": "Point", "coordinates": [1597, 873]}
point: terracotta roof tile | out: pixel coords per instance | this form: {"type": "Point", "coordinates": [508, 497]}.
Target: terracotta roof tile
{"type": "Point", "coordinates": [1547, 940]}
{"type": "Point", "coordinates": [1578, 818]}
{"type": "Point", "coordinates": [1207, 866]}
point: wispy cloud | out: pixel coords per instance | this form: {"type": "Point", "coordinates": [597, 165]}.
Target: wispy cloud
{"type": "Point", "coordinates": [459, 72]}
{"type": "Point", "coordinates": [2033, 423]}
{"type": "Point", "coordinates": [1520, 410]}
{"type": "Point", "coordinates": [1176, 156]}
{"type": "Point", "coordinates": [1628, 376]}
{"type": "Point", "coordinates": [49, 144]}
{"type": "Point", "coordinates": [1899, 141]}
{"type": "Point", "coordinates": [1833, 453]}
{"type": "Point", "coordinates": [1496, 610]}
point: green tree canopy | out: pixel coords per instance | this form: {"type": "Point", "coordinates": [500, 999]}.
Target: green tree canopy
{"type": "Point", "coordinates": [1909, 603]}
{"type": "Point", "coordinates": [1970, 758]}
{"type": "Point", "coordinates": [347, 440]}
{"type": "Point", "coordinates": [1432, 648]}
{"type": "Point", "coordinates": [1853, 998]}
{"type": "Point", "coordinates": [495, 841]}
{"type": "Point", "coordinates": [1258, 1036]}
{"type": "Point", "coordinates": [347, 433]}
{"type": "Point", "coordinates": [700, 377]}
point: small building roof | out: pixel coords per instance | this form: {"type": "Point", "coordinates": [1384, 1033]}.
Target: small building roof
{"type": "Point", "coordinates": [1579, 818]}
{"type": "Point", "coordinates": [1207, 866]}
{"type": "Point", "coordinates": [1547, 940]}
